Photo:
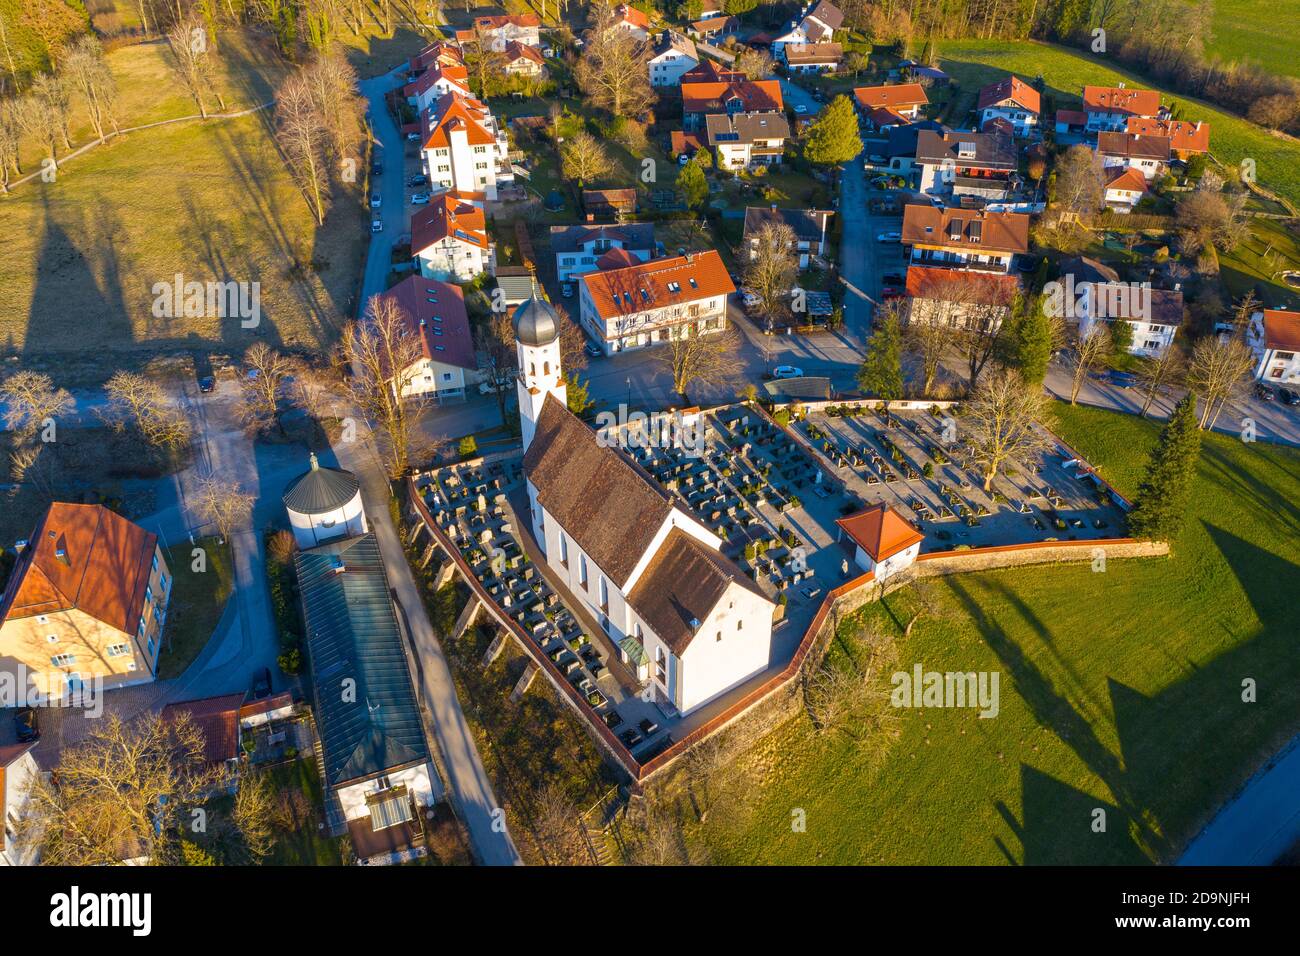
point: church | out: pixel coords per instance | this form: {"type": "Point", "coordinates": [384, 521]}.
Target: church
{"type": "Point", "coordinates": [686, 619]}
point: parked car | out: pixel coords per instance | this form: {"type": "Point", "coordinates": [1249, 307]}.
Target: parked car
{"type": "Point", "coordinates": [487, 388]}
{"type": "Point", "coordinates": [1288, 396]}
{"type": "Point", "coordinates": [593, 350]}
{"type": "Point", "coordinates": [376, 169]}
{"type": "Point", "coordinates": [377, 226]}
{"type": "Point", "coordinates": [749, 300]}
{"type": "Point", "coordinates": [1263, 392]}
{"type": "Point", "coordinates": [566, 289]}
{"type": "Point", "coordinates": [207, 383]}
{"type": "Point", "coordinates": [889, 237]}
{"type": "Point", "coordinates": [801, 108]}
{"type": "Point", "coordinates": [412, 137]}
{"type": "Point", "coordinates": [376, 200]}
{"type": "Point", "coordinates": [261, 688]}
{"type": "Point", "coordinates": [420, 180]}
{"type": "Point", "coordinates": [420, 199]}
{"type": "Point", "coordinates": [787, 371]}
{"type": "Point", "coordinates": [893, 278]}
{"type": "Point", "coordinates": [26, 725]}
{"type": "Point", "coordinates": [1123, 379]}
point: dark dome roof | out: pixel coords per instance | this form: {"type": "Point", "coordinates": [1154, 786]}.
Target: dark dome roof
{"type": "Point", "coordinates": [321, 490]}
{"type": "Point", "coordinates": [536, 322]}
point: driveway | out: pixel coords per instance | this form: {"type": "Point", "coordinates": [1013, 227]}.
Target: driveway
{"type": "Point", "coordinates": [390, 185]}
{"type": "Point", "coordinates": [796, 96]}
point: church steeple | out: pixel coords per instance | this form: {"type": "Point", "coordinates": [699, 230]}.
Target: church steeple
{"type": "Point", "coordinates": [537, 346]}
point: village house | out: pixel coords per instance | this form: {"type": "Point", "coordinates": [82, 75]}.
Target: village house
{"type": "Point", "coordinates": [959, 238]}
{"type": "Point", "coordinates": [463, 147]}
{"type": "Point", "coordinates": [894, 147]}
{"type": "Point", "coordinates": [86, 602]}
{"type": "Point", "coordinates": [1274, 338]}
{"type": "Point", "coordinates": [449, 238]}
{"type": "Point", "coordinates": [808, 225]}
{"type": "Point", "coordinates": [435, 82]}
{"type": "Point", "coordinates": [499, 31]}
{"type": "Point", "coordinates": [1124, 188]}
{"type": "Point", "coordinates": [379, 780]}
{"type": "Point", "coordinates": [815, 25]}
{"type": "Point", "coordinates": [649, 573]}
{"type": "Point", "coordinates": [1013, 100]}
{"type": "Point", "coordinates": [18, 770]}
{"type": "Point", "coordinates": [714, 29]}
{"type": "Point", "coordinates": [632, 21]}
{"type": "Point", "coordinates": [895, 104]}
{"type": "Point", "coordinates": [578, 247]}
{"type": "Point", "coordinates": [729, 97]}
{"type": "Point", "coordinates": [884, 541]}
{"type": "Point", "coordinates": [1147, 154]}
{"type": "Point", "coordinates": [217, 720]}
{"type": "Point", "coordinates": [640, 305]}
{"type": "Point", "coordinates": [744, 140]}
{"type": "Point", "coordinates": [982, 165]}
{"type": "Point", "coordinates": [1071, 126]}
{"type": "Point", "coordinates": [608, 203]}
{"type": "Point", "coordinates": [523, 60]}
{"type": "Point", "coordinates": [1154, 315]}
{"type": "Point", "coordinates": [435, 312]}
{"type": "Point", "coordinates": [977, 301]}
{"type": "Point", "coordinates": [671, 57]}
{"type": "Point", "coordinates": [324, 504]}
{"type": "Point", "coordinates": [812, 57]}
{"type": "Point", "coordinates": [1111, 107]}
{"type": "Point", "coordinates": [440, 52]}
{"type": "Point", "coordinates": [1185, 139]}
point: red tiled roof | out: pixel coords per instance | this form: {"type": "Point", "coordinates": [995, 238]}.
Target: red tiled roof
{"type": "Point", "coordinates": [434, 53]}
{"type": "Point", "coordinates": [436, 310]}
{"type": "Point", "coordinates": [617, 258]}
{"type": "Point", "coordinates": [683, 142]}
{"type": "Point", "coordinates": [952, 285]}
{"type": "Point", "coordinates": [266, 705]}
{"type": "Point", "coordinates": [892, 96]}
{"type": "Point", "coordinates": [1127, 178]}
{"type": "Point", "coordinates": [453, 73]}
{"type": "Point", "coordinates": [926, 225]}
{"type": "Point", "coordinates": [1282, 330]}
{"type": "Point", "coordinates": [801, 53]}
{"type": "Point", "coordinates": [709, 72]}
{"type": "Point", "coordinates": [1183, 136]}
{"type": "Point", "coordinates": [451, 112]}
{"type": "Point", "coordinates": [880, 531]}
{"type": "Point", "coordinates": [217, 718]}
{"type": "Point", "coordinates": [1072, 117]}
{"type": "Point", "coordinates": [629, 14]}
{"type": "Point", "coordinates": [1133, 146]}
{"type": "Point", "coordinates": [522, 51]}
{"type": "Point", "coordinates": [448, 217]}
{"type": "Point", "coordinates": [639, 288]}
{"type": "Point", "coordinates": [754, 95]}
{"type": "Point", "coordinates": [1114, 99]}
{"type": "Point", "coordinates": [1012, 89]}
{"type": "Point", "coordinates": [84, 557]}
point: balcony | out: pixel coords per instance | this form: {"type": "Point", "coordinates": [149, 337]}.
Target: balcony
{"type": "Point", "coordinates": [938, 262]}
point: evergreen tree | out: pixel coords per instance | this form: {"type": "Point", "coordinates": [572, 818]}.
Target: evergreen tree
{"type": "Point", "coordinates": [1166, 489]}
{"type": "Point", "coordinates": [693, 186]}
{"type": "Point", "coordinates": [833, 138]}
{"type": "Point", "coordinates": [1121, 336]}
{"type": "Point", "coordinates": [881, 374]}
{"type": "Point", "coordinates": [1027, 346]}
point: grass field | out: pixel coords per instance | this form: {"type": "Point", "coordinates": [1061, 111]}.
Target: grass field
{"type": "Point", "coordinates": [1119, 691]}
{"type": "Point", "coordinates": [197, 601]}
{"type": "Point", "coordinates": [1249, 30]}
{"type": "Point", "coordinates": [211, 201]}
{"type": "Point", "coordinates": [974, 63]}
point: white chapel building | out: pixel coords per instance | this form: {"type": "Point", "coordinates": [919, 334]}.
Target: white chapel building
{"type": "Point", "coordinates": [687, 619]}
{"type": "Point", "coordinates": [324, 504]}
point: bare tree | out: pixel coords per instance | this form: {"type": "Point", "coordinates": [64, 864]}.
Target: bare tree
{"type": "Point", "coordinates": [188, 40]}
{"type": "Point", "coordinates": [253, 816]}
{"type": "Point", "coordinates": [1158, 373]}
{"type": "Point", "coordinates": [303, 139]}
{"type": "Point", "coordinates": [340, 110]}
{"type": "Point", "coordinates": [495, 342]}
{"type": "Point", "coordinates": [754, 63]}
{"type": "Point", "coordinates": [1004, 419]}
{"type": "Point", "coordinates": [696, 358]}
{"type": "Point", "coordinates": [30, 401]}
{"type": "Point", "coordinates": [39, 122]}
{"type": "Point", "coordinates": [223, 503]}
{"type": "Point", "coordinates": [385, 357]}
{"type": "Point", "coordinates": [10, 141]}
{"type": "Point", "coordinates": [927, 341]}
{"type": "Point", "coordinates": [127, 789]}
{"type": "Point", "coordinates": [584, 159]}
{"type": "Point", "coordinates": [1078, 183]}
{"type": "Point", "coordinates": [144, 404]}
{"type": "Point", "coordinates": [771, 269]}
{"type": "Point", "coordinates": [1089, 351]}
{"type": "Point", "coordinates": [659, 841]}
{"type": "Point", "coordinates": [84, 65]}
{"type": "Point", "coordinates": [556, 822]}
{"type": "Point", "coordinates": [54, 93]}
{"type": "Point", "coordinates": [613, 71]}
{"type": "Point", "coordinates": [1217, 372]}
{"type": "Point", "coordinates": [266, 371]}
{"type": "Point", "coordinates": [848, 699]}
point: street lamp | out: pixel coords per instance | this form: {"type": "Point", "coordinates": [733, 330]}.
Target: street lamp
{"type": "Point", "coordinates": [629, 392]}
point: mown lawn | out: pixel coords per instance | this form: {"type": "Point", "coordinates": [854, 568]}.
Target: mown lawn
{"type": "Point", "coordinates": [1258, 263]}
{"type": "Point", "coordinates": [197, 601]}
{"type": "Point", "coordinates": [1120, 691]}
{"type": "Point", "coordinates": [974, 63]}
{"type": "Point", "coordinates": [298, 841]}
{"type": "Point", "coordinates": [1248, 30]}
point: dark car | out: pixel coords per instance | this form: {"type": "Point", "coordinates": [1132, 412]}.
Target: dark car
{"type": "Point", "coordinates": [594, 350]}
{"type": "Point", "coordinates": [1288, 396]}
{"type": "Point", "coordinates": [893, 279]}
{"type": "Point", "coordinates": [261, 684]}
{"type": "Point", "coordinates": [207, 383]}
{"type": "Point", "coordinates": [26, 725]}
{"type": "Point", "coordinates": [1123, 379]}
{"type": "Point", "coordinates": [1263, 392]}
{"type": "Point", "coordinates": [418, 181]}
{"type": "Point", "coordinates": [376, 169]}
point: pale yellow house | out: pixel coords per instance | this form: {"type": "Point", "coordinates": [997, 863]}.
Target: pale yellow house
{"type": "Point", "coordinates": [86, 602]}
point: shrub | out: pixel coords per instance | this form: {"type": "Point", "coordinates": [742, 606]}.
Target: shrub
{"type": "Point", "coordinates": [290, 661]}
{"type": "Point", "coordinates": [468, 446]}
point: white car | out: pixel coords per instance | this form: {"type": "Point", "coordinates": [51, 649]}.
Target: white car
{"type": "Point", "coordinates": [749, 300]}
{"type": "Point", "coordinates": [377, 225]}
{"type": "Point", "coordinates": [800, 108]}
{"type": "Point", "coordinates": [889, 237]}
{"type": "Point", "coordinates": [787, 371]}
{"type": "Point", "coordinates": [376, 201]}
{"type": "Point", "coordinates": [420, 199]}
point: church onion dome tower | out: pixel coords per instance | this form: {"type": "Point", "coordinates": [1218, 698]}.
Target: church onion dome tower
{"type": "Point", "coordinates": [536, 323]}
{"type": "Point", "coordinates": [537, 350]}
{"type": "Point", "coordinates": [323, 504]}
